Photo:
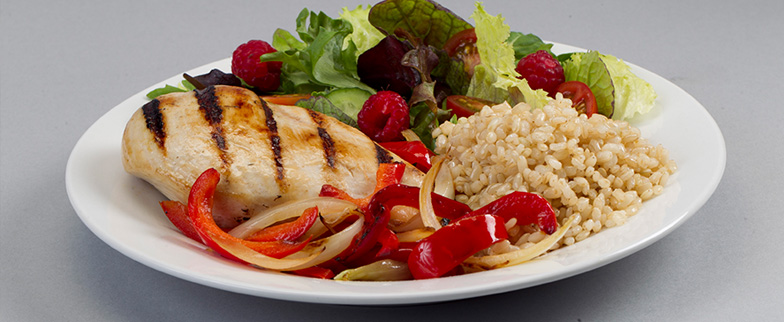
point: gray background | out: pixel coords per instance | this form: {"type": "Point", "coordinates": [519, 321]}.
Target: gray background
{"type": "Point", "coordinates": [64, 64]}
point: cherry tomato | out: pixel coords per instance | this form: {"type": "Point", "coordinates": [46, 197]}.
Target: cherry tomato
{"type": "Point", "coordinates": [460, 39]}
{"type": "Point", "coordinates": [581, 95]}
{"type": "Point", "coordinates": [462, 46]}
{"type": "Point", "coordinates": [286, 99]}
{"type": "Point", "coordinates": [465, 106]}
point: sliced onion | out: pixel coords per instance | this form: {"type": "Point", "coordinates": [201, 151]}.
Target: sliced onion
{"type": "Point", "coordinates": [315, 253]}
{"type": "Point", "coordinates": [333, 245]}
{"type": "Point", "coordinates": [426, 211]}
{"type": "Point", "coordinates": [414, 235]}
{"type": "Point", "coordinates": [444, 184]}
{"type": "Point", "coordinates": [519, 256]}
{"type": "Point", "coordinates": [331, 219]}
{"type": "Point", "coordinates": [383, 270]}
{"type": "Point", "coordinates": [414, 223]}
{"type": "Point", "coordinates": [328, 207]}
{"type": "Point", "coordinates": [400, 215]}
{"type": "Point", "coordinates": [410, 135]}
{"type": "Point", "coordinates": [404, 218]}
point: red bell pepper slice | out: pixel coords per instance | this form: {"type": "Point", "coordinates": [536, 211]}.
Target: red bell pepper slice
{"type": "Point", "coordinates": [446, 248]}
{"type": "Point", "coordinates": [528, 208]}
{"type": "Point", "coordinates": [401, 254]}
{"type": "Point", "coordinates": [386, 175]}
{"type": "Point", "coordinates": [414, 152]}
{"type": "Point", "coordinates": [448, 208]}
{"type": "Point", "coordinates": [377, 217]}
{"type": "Point", "coordinates": [375, 254]}
{"type": "Point", "coordinates": [333, 265]}
{"type": "Point", "coordinates": [200, 202]}
{"type": "Point", "coordinates": [388, 241]}
{"type": "Point", "coordinates": [287, 231]}
{"type": "Point", "coordinates": [315, 271]}
{"type": "Point", "coordinates": [178, 215]}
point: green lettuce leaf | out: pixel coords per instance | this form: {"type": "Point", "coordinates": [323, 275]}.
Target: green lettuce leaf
{"type": "Point", "coordinates": [364, 35]}
{"type": "Point", "coordinates": [283, 40]}
{"type": "Point", "coordinates": [423, 120]}
{"type": "Point", "coordinates": [184, 86]}
{"type": "Point", "coordinates": [318, 61]}
{"type": "Point", "coordinates": [619, 93]}
{"type": "Point", "coordinates": [452, 72]}
{"type": "Point", "coordinates": [524, 44]}
{"type": "Point", "coordinates": [422, 19]}
{"type": "Point", "coordinates": [323, 105]}
{"type": "Point", "coordinates": [591, 70]}
{"type": "Point", "coordinates": [495, 78]}
{"type": "Point", "coordinates": [424, 110]}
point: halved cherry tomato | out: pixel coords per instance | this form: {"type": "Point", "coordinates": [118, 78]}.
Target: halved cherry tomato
{"type": "Point", "coordinates": [285, 99]}
{"type": "Point", "coordinates": [460, 40]}
{"type": "Point", "coordinates": [462, 46]}
{"type": "Point", "coordinates": [465, 106]}
{"type": "Point", "coordinates": [581, 95]}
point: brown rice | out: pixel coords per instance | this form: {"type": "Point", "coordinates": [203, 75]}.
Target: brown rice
{"type": "Point", "coordinates": [597, 168]}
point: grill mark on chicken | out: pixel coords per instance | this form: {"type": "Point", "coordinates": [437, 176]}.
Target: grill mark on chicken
{"type": "Point", "coordinates": [213, 113]}
{"type": "Point", "coordinates": [208, 103]}
{"type": "Point", "coordinates": [153, 118]}
{"type": "Point", "coordinates": [382, 155]}
{"type": "Point", "coordinates": [326, 140]}
{"type": "Point", "coordinates": [272, 126]}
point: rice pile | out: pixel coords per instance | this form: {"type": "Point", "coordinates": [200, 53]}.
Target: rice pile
{"type": "Point", "coordinates": [597, 168]}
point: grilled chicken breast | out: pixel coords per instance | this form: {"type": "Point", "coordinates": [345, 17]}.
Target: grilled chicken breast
{"type": "Point", "coordinates": [267, 154]}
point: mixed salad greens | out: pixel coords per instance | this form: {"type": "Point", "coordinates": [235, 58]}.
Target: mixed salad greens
{"type": "Point", "coordinates": [408, 46]}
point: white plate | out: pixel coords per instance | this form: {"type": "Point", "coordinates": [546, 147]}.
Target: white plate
{"type": "Point", "coordinates": [123, 211]}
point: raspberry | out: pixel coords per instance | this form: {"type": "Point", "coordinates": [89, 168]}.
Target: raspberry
{"type": "Point", "coordinates": [384, 116]}
{"type": "Point", "coordinates": [541, 70]}
{"type": "Point", "coordinates": [245, 64]}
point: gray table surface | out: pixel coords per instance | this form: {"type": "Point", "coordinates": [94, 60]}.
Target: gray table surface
{"type": "Point", "coordinates": [66, 63]}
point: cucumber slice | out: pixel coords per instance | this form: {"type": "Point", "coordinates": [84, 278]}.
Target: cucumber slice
{"type": "Point", "coordinates": [349, 100]}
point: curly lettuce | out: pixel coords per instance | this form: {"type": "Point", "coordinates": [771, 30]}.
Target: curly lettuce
{"type": "Point", "coordinates": [495, 78]}
{"type": "Point", "coordinates": [633, 95]}
{"type": "Point", "coordinates": [364, 35]}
